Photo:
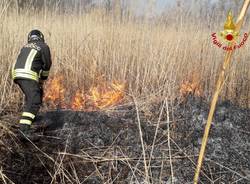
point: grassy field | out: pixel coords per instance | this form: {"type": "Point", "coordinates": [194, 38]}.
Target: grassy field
{"type": "Point", "coordinates": [153, 57]}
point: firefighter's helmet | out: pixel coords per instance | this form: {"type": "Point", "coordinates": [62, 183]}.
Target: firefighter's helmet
{"type": "Point", "coordinates": [35, 35]}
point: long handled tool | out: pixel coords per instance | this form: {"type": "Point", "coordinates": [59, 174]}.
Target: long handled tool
{"type": "Point", "coordinates": [219, 86]}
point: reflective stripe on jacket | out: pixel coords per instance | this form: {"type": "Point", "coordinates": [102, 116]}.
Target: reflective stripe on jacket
{"type": "Point", "coordinates": [33, 62]}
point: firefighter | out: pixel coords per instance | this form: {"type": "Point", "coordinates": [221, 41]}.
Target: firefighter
{"type": "Point", "coordinates": [30, 70]}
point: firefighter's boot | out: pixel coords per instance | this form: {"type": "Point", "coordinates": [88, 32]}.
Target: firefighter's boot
{"type": "Point", "coordinates": [25, 131]}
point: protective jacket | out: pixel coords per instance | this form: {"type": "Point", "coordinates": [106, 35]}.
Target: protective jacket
{"type": "Point", "coordinates": [33, 62]}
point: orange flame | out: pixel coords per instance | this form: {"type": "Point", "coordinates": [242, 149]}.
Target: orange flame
{"type": "Point", "coordinates": [78, 101]}
{"type": "Point", "coordinates": [98, 97]}
{"type": "Point", "coordinates": [191, 86]}
{"type": "Point", "coordinates": [105, 96]}
{"type": "Point", "coordinates": [55, 92]}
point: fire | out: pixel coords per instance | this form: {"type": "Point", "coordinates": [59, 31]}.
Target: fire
{"type": "Point", "coordinates": [98, 96]}
{"type": "Point", "coordinates": [55, 92]}
{"type": "Point", "coordinates": [191, 85]}
{"type": "Point", "coordinates": [104, 96]}
{"type": "Point", "coordinates": [78, 101]}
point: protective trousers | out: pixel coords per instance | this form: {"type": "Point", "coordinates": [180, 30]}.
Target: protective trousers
{"type": "Point", "coordinates": [33, 99]}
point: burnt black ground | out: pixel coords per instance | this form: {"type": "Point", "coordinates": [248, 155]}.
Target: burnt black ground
{"type": "Point", "coordinates": [103, 147]}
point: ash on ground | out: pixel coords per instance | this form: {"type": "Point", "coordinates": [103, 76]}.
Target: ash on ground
{"type": "Point", "coordinates": [99, 147]}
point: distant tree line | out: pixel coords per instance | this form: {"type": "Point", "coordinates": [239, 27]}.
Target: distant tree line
{"type": "Point", "coordinates": [118, 7]}
{"type": "Point", "coordinates": [121, 9]}
{"type": "Point", "coordinates": [109, 5]}
{"type": "Point", "coordinates": [59, 5]}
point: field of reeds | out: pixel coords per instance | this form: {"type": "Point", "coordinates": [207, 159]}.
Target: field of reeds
{"type": "Point", "coordinates": [152, 56]}
{"type": "Point", "coordinates": [167, 55]}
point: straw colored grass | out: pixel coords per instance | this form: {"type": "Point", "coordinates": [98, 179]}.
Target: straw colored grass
{"type": "Point", "coordinates": [150, 56]}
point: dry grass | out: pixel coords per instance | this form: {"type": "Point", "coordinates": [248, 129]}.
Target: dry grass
{"type": "Point", "coordinates": [149, 56]}
{"type": "Point", "coordinates": [152, 57]}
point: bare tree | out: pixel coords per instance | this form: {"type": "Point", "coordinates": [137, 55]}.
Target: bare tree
{"type": "Point", "coordinates": [34, 4]}
{"type": "Point", "coordinates": [108, 5]}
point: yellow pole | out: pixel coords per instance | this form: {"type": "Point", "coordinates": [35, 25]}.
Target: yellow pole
{"type": "Point", "coordinates": [218, 88]}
